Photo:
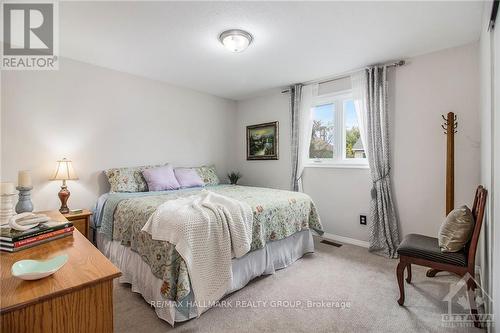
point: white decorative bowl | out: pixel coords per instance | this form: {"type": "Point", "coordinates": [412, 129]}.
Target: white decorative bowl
{"type": "Point", "coordinates": [37, 269]}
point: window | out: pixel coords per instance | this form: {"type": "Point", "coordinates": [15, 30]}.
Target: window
{"type": "Point", "coordinates": [335, 136]}
{"type": "Point", "coordinates": [323, 132]}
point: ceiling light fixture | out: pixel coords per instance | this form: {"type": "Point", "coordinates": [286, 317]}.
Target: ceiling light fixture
{"type": "Point", "coordinates": [235, 40]}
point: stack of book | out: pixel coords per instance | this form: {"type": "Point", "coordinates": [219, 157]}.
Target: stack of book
{"type": "Point", "coordinates": [13, 240]}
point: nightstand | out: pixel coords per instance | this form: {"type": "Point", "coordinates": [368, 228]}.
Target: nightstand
{"type": "Point", "coordinates": [81, 221]}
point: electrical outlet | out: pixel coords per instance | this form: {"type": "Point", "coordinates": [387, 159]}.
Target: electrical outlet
{"type": "Point", "coordinates": [362, 219]}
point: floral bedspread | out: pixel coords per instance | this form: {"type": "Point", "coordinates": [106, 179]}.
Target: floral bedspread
{"type": "Point", "coordinates": [277, 215]}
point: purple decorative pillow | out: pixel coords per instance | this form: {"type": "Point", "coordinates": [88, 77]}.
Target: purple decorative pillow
{"type": "Point", "coordinates": [188, 177]}
{"type": "Point", "coordinates": [161, 178]}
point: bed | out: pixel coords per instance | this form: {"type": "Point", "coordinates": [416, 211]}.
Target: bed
{"type": "Point", "coordinates": [281, 234]}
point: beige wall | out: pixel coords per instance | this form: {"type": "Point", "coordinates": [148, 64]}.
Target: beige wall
{"type": "Point", "coordinates": [430, 85]}
{"type": "Point", "coordinates": [102, 118]}
{"type": "Point", "coordinates": [495, 140]}
{"type": "Point", "coordinates": [273, 106]}
{"type": "Point", "coordinates": [489, 257]}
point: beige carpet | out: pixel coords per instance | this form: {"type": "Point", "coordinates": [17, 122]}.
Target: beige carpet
{"type": "Point", "coordinates": [349, 274]}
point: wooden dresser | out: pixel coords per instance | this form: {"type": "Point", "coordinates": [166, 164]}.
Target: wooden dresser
{"type": "Point", "coordinates": [77, 298]}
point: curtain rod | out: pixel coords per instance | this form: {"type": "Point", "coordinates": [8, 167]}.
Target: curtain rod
{"type": "Point", "coordinates": [345, 74]}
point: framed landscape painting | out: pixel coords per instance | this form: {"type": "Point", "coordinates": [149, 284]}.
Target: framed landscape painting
{"type": "Point", "coordinates": [262, 141]}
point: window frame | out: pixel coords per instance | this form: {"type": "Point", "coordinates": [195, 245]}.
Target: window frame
{"type": "Point", "coordinates": [340, 161]}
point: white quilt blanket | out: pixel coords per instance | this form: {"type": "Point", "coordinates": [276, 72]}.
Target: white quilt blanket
{"type": "Point", "coordinates": [206, 230]}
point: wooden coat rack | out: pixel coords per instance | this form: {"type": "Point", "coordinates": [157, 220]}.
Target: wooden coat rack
{"type": "Point", "coordinates": [450, 128]}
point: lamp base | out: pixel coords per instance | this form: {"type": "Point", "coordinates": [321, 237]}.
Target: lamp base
{"type": "Point", "coordinates": [64, 196]}
{"type": "Point", "coordinates": [24, 203]}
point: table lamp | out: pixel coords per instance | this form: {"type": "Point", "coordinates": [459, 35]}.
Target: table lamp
{"type": "Point", "coordinates": [64, 172]}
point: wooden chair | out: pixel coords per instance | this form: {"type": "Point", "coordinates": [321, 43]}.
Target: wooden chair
{"type": "Point", "coordinates": [424, 251]}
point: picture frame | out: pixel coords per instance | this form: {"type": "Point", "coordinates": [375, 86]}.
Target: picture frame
{"type": "Point", "coordinates": [263, 141]}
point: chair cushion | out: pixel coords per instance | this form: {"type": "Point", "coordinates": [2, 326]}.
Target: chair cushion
{"type": "Point", "coordinates": [424, 247]}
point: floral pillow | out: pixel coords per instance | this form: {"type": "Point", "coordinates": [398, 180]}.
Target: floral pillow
{"type": "Point", "coordinates": [208, 174]}
{"type": "Point", "coordinates": [128, 179]}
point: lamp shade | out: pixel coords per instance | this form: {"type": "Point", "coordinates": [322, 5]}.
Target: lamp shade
{"type": "Point", "coordinates": [64, 171]}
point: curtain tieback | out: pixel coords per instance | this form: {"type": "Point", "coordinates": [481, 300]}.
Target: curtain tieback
{"type": "Point", "coordinates": [385, 175]}
{"type": "Point", "coordinates": [374, 190]}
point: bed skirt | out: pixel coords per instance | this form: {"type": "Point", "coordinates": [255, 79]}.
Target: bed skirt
{"type": "Point", "coordinates": [274, 256]}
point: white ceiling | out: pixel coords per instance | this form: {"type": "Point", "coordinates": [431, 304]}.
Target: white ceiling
{"type": "Point", "coordinates": [176, 42]}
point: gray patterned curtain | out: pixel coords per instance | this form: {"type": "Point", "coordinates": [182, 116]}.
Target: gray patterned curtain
{"type": "Point", "coordinates": [295, 100]}
{"type": "Point", "coordinates": [384, 226]}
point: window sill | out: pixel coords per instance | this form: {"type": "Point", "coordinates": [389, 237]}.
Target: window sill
{"type": "Point", "coordinates": [338, 166]}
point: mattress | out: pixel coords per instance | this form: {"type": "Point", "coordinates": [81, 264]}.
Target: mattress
{"type": "Point", "coordinates": [277, 215]}
{"type": "Point", "coordinates": [273, 256]}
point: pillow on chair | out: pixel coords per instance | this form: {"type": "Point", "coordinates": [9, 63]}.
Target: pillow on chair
{"type": "Point", "coordinates": [456, 230]}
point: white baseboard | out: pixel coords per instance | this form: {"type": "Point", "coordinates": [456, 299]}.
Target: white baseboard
{"type": "Point", "coordinates": [346, 240]}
